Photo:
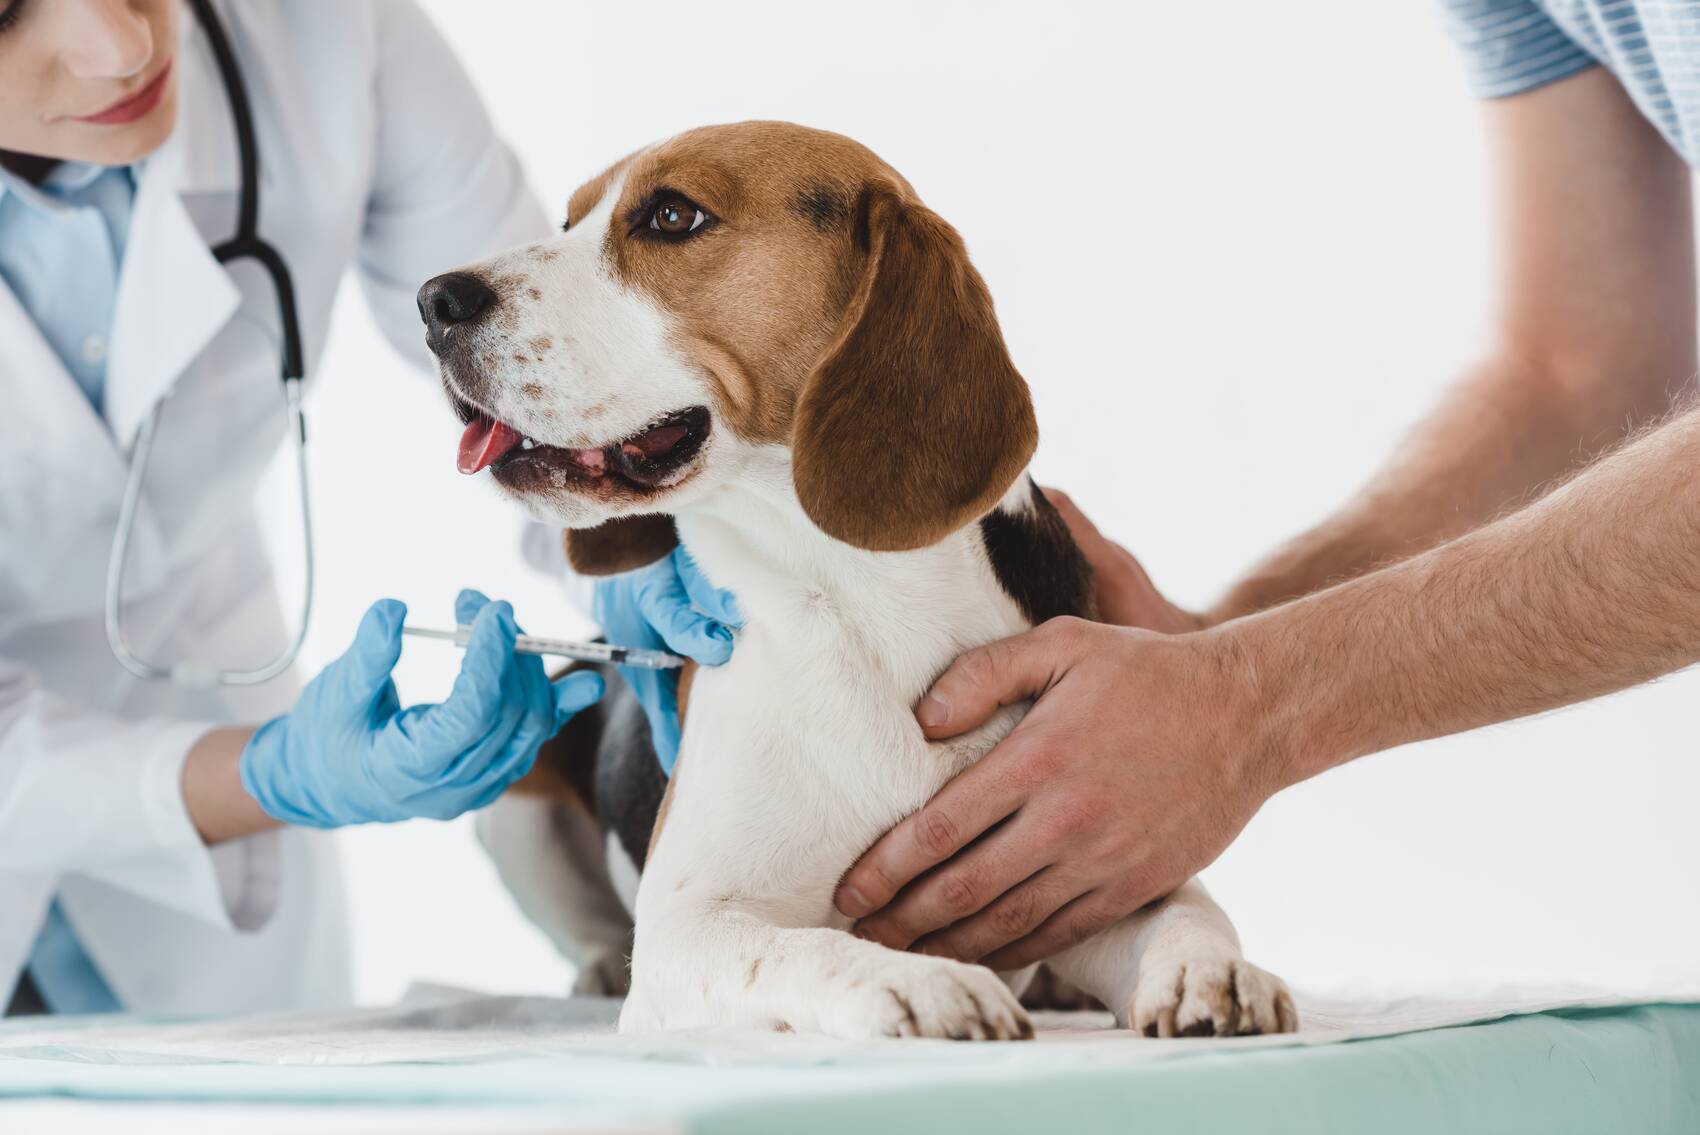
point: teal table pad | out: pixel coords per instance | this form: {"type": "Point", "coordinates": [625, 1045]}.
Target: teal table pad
{"type": "Point", "coordinates": [1623, 1068]}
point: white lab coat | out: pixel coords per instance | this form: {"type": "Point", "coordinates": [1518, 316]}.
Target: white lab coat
{"type": "Point", "coordinates": [375, 154]}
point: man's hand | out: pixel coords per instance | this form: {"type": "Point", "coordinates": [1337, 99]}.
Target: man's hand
{"type": "Point", "coordinates": [1126, 595]}
{"type": "Point", "coordinates": [1137, 765]}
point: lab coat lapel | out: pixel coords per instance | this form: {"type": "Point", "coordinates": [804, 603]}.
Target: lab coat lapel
{"type": "Point", "coordinates": [173, 295]}
{"type": "Point", "coordinates": [49, 409]}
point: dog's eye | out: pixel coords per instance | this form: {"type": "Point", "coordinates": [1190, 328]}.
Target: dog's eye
{"type": "Point", "coordinates": [676, 217]}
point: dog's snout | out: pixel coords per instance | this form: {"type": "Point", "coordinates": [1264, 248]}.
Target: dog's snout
{"type": "Point", "coordinates": [451, 300]}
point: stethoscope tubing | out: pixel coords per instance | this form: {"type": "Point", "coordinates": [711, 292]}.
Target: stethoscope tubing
{"type": "Point", "coordinates": [192, 674]}
{"type": "Point", "coordinates": [246, 244]}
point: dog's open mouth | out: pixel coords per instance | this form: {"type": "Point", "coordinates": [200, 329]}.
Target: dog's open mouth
{"type": "Point", "coordinates": [647, 459]}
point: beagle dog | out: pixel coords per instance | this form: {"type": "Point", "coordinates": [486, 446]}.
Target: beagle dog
{"type": "Point", "coordinates": [755, 339]}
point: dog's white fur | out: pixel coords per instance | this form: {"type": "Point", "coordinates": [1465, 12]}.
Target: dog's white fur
{"type": "Point", "coordinates": [803, 749]}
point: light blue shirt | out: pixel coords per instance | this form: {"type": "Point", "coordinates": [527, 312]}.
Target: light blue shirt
{"type": "Point", "coordinates": [64, 974]}
{"type": "Point", "coordinates": [1651, 46]}
{"type": "Point", "coordinates": [61, 248]}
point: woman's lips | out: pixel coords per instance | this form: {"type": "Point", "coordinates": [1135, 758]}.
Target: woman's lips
{"type": "Point", "coordinates": [136, 106]}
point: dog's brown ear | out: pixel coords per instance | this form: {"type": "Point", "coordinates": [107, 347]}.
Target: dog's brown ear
{"type": "Point", "coordinates": [915, 422]}
{"type": "Point", "coordinates": [621, 544]}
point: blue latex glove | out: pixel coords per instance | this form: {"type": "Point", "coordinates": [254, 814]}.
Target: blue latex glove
{"type": "Point", "coordinates": [669, 605]}
{"type": "Point", "coordinates": [349, 754]}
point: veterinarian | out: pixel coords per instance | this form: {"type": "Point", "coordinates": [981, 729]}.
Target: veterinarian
{"type": "Point", "coordinates": [1459, 588]}
{"type": "Point", "coordinates": [144, 858]}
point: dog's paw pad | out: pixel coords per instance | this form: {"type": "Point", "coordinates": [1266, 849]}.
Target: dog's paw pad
{"type": "Point", "coordinates": [1211, 997]}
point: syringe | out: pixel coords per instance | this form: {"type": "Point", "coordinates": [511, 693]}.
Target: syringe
{"type": "Point", "coordinates": [565, 648]}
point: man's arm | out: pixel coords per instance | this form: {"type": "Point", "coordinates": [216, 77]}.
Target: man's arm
{"type": "Point", "coordinates": [1594, 337]}
{"type": "Point", "coordinates": [1592, 589]}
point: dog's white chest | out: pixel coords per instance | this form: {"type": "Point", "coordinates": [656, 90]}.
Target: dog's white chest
{"type": "Point", "coordinates": [803, 749]}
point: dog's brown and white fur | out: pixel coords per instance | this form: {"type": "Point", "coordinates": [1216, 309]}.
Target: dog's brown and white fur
{"type": "Point", "coordinates": [854, 439]}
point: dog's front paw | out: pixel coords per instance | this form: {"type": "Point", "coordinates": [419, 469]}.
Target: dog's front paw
{"type": "Point", "coordinates": [1211, 997]}
{"type": "Point", "coordinates": [638, 1014]}
{"type": "Point", "coordinates": [915, 995]}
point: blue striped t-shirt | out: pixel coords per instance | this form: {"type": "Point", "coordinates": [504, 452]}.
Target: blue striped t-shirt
{"type": "Point", "coordinates": [1652, 46]}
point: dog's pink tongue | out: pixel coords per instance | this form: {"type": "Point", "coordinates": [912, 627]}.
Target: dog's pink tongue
{"type": "Point", "coordinates": [484, 442]}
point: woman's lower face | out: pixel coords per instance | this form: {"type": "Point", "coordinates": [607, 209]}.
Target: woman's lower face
{"type": "Point", "coordinates": [92, 82]}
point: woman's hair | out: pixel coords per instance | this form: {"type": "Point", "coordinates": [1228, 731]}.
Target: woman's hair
{"type": "Point", "coordinates": [31, 167]}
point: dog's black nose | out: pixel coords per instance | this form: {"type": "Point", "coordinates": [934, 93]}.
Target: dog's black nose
{"type": "Point", "coordinates": [450, 300]}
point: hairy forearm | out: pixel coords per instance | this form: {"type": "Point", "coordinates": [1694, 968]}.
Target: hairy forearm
{"type": "Point", "coordinates": [1507, 430]}
{"type": "Point", "coordinates": [1593, 337]}
{"type": "Point", "coordinates": [1591, 589]}
{"type": "Point", "coordinates": [218, 805]}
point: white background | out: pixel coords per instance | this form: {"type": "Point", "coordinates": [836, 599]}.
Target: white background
{"type": "Point", "coordinates": [1237, 248]}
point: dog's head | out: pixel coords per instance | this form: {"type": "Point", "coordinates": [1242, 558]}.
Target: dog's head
{"type": "Point", "coordinates": [733, 289]}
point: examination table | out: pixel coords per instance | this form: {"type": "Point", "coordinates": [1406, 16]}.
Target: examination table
{"type": "Point", "coordinates": [1515, 1061]}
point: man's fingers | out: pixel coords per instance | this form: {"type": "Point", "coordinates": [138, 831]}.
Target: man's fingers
{"type": "Point", "coordinates": [954, 818]}
{"type": "Point", "coordinates": [1012, 916]}
{"type": "Point", "coordinates": [1109, 560]}
{"type": "Point", "coordinates": [1080, 526]}
{"type": "Point", "coordinates": [1126, 595]}
{"type": "Point", "coordinates": [1004, 859]}
{"type": "Point", "coordinates": [1069, 926]}
{"type": "Point", "coordinates": [997, 674]}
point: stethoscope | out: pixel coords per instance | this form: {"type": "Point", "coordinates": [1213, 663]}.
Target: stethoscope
{"type": "Point", "coordinates": [246, 243]}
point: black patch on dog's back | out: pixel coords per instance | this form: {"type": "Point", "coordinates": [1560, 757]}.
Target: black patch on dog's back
{"type": "Point", "coordinates": [605, 754]}
{"type": "Point", "coordinates": [1037, 561]}
{"type": "Point", "coordinates": [628, 783]}
{"type": "Point", "coordinates": [823, 207]}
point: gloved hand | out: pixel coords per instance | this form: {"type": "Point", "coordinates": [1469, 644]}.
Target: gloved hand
{"type": "Point", "coordinates": [348, 753]}
{"type": "Point", "coordinates": [669, 605]}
